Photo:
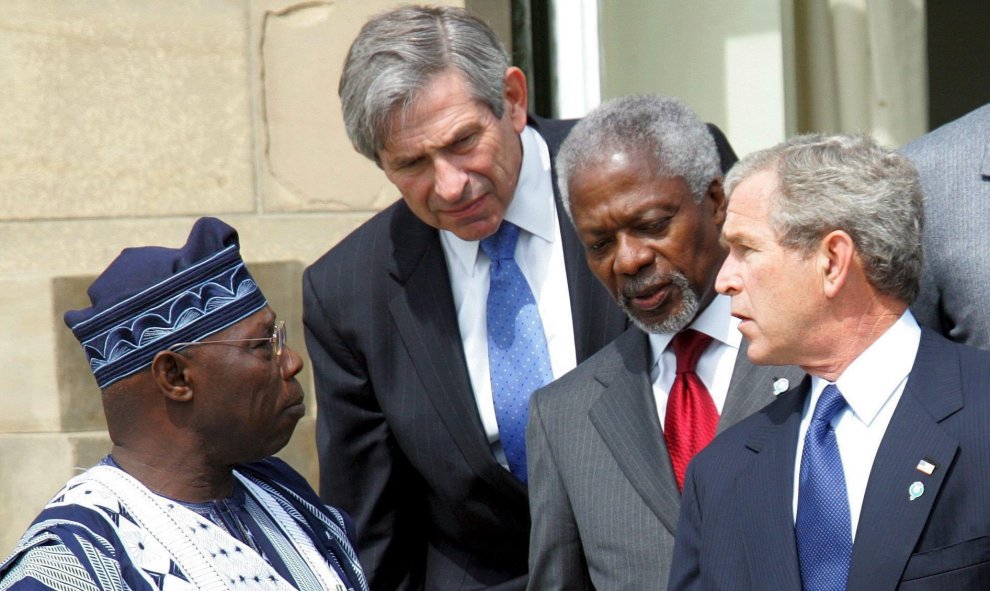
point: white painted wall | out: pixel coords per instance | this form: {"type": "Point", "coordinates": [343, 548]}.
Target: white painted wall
{"type": "Point", "coordinates": [723, 58]}
{"type": "Point", "coordinates": [575, 26]}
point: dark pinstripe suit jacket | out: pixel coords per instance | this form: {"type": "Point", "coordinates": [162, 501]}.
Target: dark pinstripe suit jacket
{"type": "Point", "coordinates": [736, 529]}
{"type": "Point", "coordinates": [401, 444]}
{"type": "Point", "coordinates": [602, 490]}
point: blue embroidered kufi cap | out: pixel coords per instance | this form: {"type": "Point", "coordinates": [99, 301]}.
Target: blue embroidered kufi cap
{"type": "Point", "coordinates": [152, 297]}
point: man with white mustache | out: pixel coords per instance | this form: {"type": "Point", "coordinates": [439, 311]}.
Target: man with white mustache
{"type": "Point", "coordinates": [609, 442]}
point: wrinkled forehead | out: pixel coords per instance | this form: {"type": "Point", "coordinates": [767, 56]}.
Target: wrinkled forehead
{"type": "Point", "coordinates": [752, 195]}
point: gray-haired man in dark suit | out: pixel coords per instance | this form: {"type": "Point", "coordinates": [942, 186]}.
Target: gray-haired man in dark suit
{"type": "Point", "coordinates": [395, 314]}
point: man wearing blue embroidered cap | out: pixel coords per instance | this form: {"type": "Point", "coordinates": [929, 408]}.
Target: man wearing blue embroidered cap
{"type": "Point", "coordinates": [199, 389]}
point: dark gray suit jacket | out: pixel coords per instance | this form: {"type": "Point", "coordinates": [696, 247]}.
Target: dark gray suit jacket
{"type": "Point", "coordinates": [954, 164]}
{"type": "Point", "coordinates": [736, 529]}
{"type": "Point", "coordinates": [602, 490]}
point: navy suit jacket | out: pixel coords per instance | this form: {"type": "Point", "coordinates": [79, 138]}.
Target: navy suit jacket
{"type": "Point", "coordinates": [401, 445]}
{"type": "Point", "coordinates": [736, 528]}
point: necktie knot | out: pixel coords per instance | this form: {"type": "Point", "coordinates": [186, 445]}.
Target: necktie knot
{"type": "Point", "coordinates": [688, 346]}
{"type": "Point", "coordinates": [829, 403]}
{"type": "Point", "coordinates": [502, 244]}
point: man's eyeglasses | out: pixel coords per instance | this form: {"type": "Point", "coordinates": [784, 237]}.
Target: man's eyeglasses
{"type": "Point", "coordinates": [277, 340]}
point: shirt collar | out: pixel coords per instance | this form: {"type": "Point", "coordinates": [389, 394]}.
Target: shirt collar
{"type": "Point", "coordinates": [870, 380]}
{"type": "Point", "coordinates": [532, 207]}
{"type": "Point", "coordinates": [715, 321]}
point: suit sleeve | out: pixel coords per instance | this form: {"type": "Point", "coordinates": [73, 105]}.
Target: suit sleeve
{"type": "Point", "coordinates": [685, 570]}
{"type": "Point", "coordinates": [556, 557]}
{"type": "Point", "coordinates": [927, 307]}
{"type": "Point", "coordinates": [361, 469]}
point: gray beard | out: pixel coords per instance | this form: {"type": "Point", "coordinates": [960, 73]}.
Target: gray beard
{"type": "Point", "coordinates": [674, 322]}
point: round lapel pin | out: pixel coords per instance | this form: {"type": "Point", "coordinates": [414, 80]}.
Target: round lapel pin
{"type": "Point", "coordinates": [916, 490]}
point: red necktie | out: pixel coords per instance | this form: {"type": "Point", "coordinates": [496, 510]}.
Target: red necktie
{"type": "Point", "coordinates": [691, 414]}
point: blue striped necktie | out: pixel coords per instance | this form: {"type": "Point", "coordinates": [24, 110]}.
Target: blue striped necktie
{"type": "Point", "coordinates": [518, 358]}
{"type": "Point", "coordinates": [822, 528]}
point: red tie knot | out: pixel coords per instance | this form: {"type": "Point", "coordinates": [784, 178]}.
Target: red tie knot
{"type": "Point", "coordinates": [688, 346]}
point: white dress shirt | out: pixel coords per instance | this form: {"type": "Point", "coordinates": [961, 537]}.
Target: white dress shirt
{"type": "Point", "coordinates": [540, 256]}
{"type": "Point", "coordinates": [716, 363]}
{"type": "Point", "coordinates": [872, 385]}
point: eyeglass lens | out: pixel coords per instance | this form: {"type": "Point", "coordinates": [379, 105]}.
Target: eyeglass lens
{"type": "Point", "coordinates": [278, 338]}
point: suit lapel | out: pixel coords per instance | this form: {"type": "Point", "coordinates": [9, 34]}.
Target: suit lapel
{"type": "Point", "coordinates": [625, 416]}
{"type": "Point", "coordinates": [751, 387]}
{"type": "Point", "coordinates": [766, 493]}
{"type": "Point", "coordinates": [423, 311]}
{"type": "Point", "coordinates": [890, 519]}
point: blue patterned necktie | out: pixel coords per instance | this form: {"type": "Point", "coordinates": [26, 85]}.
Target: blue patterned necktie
{"type": "Point", "coordinates": [518, 359]}
{"type": "Point", "coordinates": [822, 529]}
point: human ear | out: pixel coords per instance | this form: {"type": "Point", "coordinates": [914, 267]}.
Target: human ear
{"type": "Point", "coordinates": [716, 193]}
{"type": "Point", "coordinates": [835, 258]}
{"type": "Point", "coordinates": [516, 98]}
{"type": "Point", "coordinates": [170, 370]}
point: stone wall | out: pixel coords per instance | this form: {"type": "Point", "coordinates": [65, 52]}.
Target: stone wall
{"type": "Point", "coordinates": [122, 122]}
